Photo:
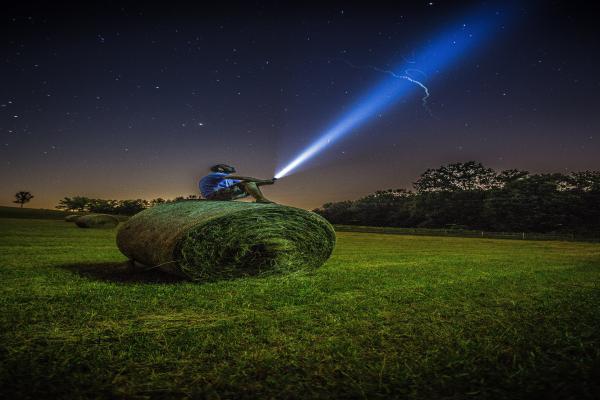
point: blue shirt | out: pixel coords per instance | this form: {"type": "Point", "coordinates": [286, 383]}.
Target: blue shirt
{"type": "Point", "coordinates": [215, 181]}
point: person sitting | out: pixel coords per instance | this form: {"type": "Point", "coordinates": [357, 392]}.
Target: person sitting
{"type": "Point", "coordinates": [221, 185]}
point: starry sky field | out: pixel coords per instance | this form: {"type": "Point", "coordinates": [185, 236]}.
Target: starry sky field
{"type": "Point", "coordinates": [133, 100]}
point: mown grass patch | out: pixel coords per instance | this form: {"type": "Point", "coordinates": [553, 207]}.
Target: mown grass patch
{"type": "Point", "coordinates": [386, 316]}
{"type": "Point", "coordinates": [32, 213]}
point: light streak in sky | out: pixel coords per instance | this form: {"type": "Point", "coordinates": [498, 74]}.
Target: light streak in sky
{"type": "Point", "coordinates": [440, 53]}
{"type": "Point", "coordinates": [406, 76]}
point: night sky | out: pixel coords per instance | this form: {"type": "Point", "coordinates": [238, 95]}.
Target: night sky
{"type": "Point", "coordinates": [137, 101]}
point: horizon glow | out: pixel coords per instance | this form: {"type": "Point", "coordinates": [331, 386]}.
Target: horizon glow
{"type": "Point", "coordinates": [447, 48]}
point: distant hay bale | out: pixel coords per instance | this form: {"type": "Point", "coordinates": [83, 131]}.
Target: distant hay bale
{"type": "Point", "coordinates": [72, 218]}
{"type": "Point", "coordinates": [97, 221]}
{"type": "Point", "coordinates": [209, 240]}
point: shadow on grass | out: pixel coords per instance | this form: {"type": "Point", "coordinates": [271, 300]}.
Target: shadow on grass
{"type": "Point", "coordinates": [122, 272]}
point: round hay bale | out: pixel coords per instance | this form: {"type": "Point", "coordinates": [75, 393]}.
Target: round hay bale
{"type": "Point", "coordinates": [72, 218]}
{"type": "Point", "coordinates": [97, 221]}
{"type": "Point", "coordinates": [209, 240]}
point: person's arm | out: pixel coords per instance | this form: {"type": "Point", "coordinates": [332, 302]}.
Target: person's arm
{"type": "Point", "coordinates": [249, 179]}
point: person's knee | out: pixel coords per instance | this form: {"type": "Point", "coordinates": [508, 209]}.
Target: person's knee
{"type": "Point", "coordinates": [248, 185]}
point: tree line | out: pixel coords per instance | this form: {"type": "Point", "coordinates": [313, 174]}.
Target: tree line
{"type": "Point", "coordinates": [120, 207]}
{"type": "Point", "coordinates": [471, 196]}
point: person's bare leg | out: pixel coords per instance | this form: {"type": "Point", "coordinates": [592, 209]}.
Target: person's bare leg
{"type": "Point", "coordinates": [253, 190]}
{"type": "Point", "coordinates": [263, 183]}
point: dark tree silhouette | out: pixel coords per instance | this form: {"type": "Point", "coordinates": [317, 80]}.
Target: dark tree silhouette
{"type": "Point", "coordinates": [131, 207]}
{"type": "Point", "coordinates": [23, 197]}
{"type": "Point", "coordinates": [471, 196]}
{"type": "Point", "coordinates": [102, 206]}
{"type": "Point", "coordinates": [77, 203]}
{"type": "Point", "coordinates": [470, 175]}
{"type": "Point", "coordinates": [157, 201]}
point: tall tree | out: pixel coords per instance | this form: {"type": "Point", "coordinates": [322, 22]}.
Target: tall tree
{"type": "Point", "coordinates": [157, 201]}
{"type": "Point", "coordinates": [102, 206]}
{"type": "Point", "coordinates": [77, 203]}
{"type": "Point", "coordinates": [537, 203]}
{"type": "Point", "coordinates": [337, 213]}
{"type": "Point", "coordinates": [23, 197]}
{"type": "Point", "coordinates": [384, 208]}
{"type": "Point", "coordinates": [586, 181]}
{"type": "Point", "coordinates": [470, 175]}
{"type": "Point", "coordinates": [131, 207]}
{"type": "Point", "coordinates": [585, 204]}
{"type": "Point", "coordinates": [510, 175]}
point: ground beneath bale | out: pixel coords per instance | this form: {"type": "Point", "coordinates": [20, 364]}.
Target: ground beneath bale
{"type": "Point", "coordinates": [122, 272]}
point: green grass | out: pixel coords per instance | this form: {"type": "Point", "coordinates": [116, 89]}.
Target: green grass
{"type": "Point", "coordinates": [387, 316]}
{"type": "Point", "coordinates": [466, 233]}
{"type": "Point", "coordinates": [35, 213]}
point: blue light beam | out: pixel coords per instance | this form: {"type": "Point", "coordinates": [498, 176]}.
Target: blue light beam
{"type": "Point", "coordinates": [443, 52]}
{"type": "Point", "coordinates": [407, 76]}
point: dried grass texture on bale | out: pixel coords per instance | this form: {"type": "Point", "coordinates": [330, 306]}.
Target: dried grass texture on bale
{"type": "Point", "coordinates": [210, 240]}
{"type": "Point", "coordinates": [72, 218]}
{"type": "Point", "coordinates": [97, 221]}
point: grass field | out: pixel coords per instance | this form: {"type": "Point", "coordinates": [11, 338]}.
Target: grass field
{"type": "Point", "coordinates": [33, 213]}
{"type": "Point", "coordinates": [387, 316]}
{"type": "Point", "coordinates": [467, 233]}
